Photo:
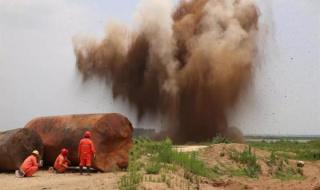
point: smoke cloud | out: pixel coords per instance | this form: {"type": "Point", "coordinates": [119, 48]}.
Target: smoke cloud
{"type": "Point", "coordinates": [189, 64]}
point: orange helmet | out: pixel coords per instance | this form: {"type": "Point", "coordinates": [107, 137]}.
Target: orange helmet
{"type": "Point", "coordinates": [64, 152]}
{"type": "Point", "coordinates": [87, 134]}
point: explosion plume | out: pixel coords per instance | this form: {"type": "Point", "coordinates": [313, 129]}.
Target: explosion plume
{"type": "Point", "coordinates": [188, 65]}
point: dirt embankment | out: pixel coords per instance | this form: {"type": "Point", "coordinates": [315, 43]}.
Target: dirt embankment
{"type": "Point", "coordinates": [218, 155]}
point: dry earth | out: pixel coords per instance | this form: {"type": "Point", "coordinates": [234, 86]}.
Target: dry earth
{"type": "Point", "coordinates": [44, 180]}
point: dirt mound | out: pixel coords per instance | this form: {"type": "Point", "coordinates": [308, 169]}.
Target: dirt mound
{"type": "Point", "coordinates": [220, 155]}
{"type": "Point", "coordinates": [217, 151]}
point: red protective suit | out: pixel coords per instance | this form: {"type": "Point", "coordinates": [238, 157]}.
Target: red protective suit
{"type": "Point", "coordinates": [61, 163]}
{"type": "Point", "coordinates": [86, 151]}
{"type": "Point", "coordinates": [29, 165]}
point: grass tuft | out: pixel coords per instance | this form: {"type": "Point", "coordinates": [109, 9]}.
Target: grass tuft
{"type": "Point", "coordinates": [249, 160]}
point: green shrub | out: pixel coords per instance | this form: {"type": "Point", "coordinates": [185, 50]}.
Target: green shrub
{"type": "Point", "coordinates": [249, 159]}
{"type": "Point", "coordinates": [309, 155]}
{"type": "Point", "coordinates": [163, 152]}
{"type": "Point", "coordinates": [289, 174]}
{"type": "Point", "coordinates": [219, 139]}
{"type": "Point", "coordinates": [130, 181]}
{"type": "Point", "coordinates": [153, 168]}
{"type": "Point", "coordinates": [272, 160]}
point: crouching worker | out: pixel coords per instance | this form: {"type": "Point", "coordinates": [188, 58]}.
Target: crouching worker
{"type": "Point", "coordinates": [62, 163]}
{"type": "Point", "coordinates": [86, 152]}
{"type": "Point", "coordinates": [30, 165]}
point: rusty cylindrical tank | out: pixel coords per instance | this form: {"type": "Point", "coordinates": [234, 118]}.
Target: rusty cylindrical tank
{"type": "Point", "coordinates": [111, 135]}
{"type": "Point", "coordinates": [16, 145]}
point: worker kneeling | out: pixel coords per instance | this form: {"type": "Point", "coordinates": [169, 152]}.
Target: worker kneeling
{"type": "Point", "coordinates": [30, 165]}
{"type": "Point", "coordinates": [86, 152]}
{"type": "Point", "coordinates": [62, 163]}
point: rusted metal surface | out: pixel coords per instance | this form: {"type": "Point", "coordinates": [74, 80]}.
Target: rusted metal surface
{"type": "Point", "coordinates": [111, 135]}
{"type": "Point", "coordinates": [16, 145]}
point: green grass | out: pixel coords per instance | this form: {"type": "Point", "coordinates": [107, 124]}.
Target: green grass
{"type": "Point", "coordinates": [130, 181]}
{"type": "Point", "coordinates": [290, 174]}
{"type": "Point", "coordinates": [249, 160]}
{"type": "Point", "coordinates": [134, 177]}
{"type": "Point", "coordinates": [222, 169]}
{"type": "Point", "coordinates": [150, 157]}
{"type": "Point", "coordinates": [164, 153]}
{"type": "Point", "coordinates": [219, 139]}
{"type": "Point", "coordinates": [302, 150]}
{"type": "Point", "coordinates": [280, 168]}
{"type": "Point", "coordinates": [153, 168]}
{"type": "Point", "coordinates": [159, 155]}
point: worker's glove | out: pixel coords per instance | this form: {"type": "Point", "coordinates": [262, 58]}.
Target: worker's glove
{"type": "Point", "coordinates": [41, 163]}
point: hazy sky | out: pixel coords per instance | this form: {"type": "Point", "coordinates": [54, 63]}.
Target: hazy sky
{"type": "Point", "coordinates": [38, 75]}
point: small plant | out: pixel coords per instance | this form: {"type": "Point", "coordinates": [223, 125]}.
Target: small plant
{"type": "Point", "coordinates": [289, 174]}
{"type": "Point", "coordinates": [168, 182]}
{"type": "Point", "coordinates": [132, 180]}
{"type": "Point", "coordinates": [153, 157]}
{"type": "Point", "coordinates": [153, 168]}
{"type": "Point", "coordinates": [280, 168]}
{"type": "Point", "coordinates": [249, 160]}
{"type": "Point", "coordinates": [163, 178]}
{"type": "Point", "coordinates": [219, 139]}
{"type": "Point", "coordinates": [272, 160]}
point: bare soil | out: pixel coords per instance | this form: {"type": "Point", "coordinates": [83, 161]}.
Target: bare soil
{"type": "Point", "coordinates": [44, 180]}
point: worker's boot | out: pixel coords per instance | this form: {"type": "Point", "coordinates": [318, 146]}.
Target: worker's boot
{"type": "Point", "coordinates": [88, 171]}
{"type": "Point", "coordinates": [19, 173]}
{"type": "Point", "coordinates": [81, 170]}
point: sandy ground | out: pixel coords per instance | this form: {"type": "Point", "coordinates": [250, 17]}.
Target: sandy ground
{"type": "Point", "coordinates": [44, 180]}
{"type": "Point", "coordinates": [190, 148]}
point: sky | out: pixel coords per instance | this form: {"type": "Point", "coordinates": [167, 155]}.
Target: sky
{"type": "Point", "coordinates": [38, 75]}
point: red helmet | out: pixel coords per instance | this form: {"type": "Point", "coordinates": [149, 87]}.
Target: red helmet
{"type": "Point", "coordinates": [87, 134]}
{"type": "Point", "coordinates": [64, 152]}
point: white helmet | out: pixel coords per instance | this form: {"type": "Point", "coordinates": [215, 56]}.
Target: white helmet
{"type": "Point", "coordinates": [35, 152]}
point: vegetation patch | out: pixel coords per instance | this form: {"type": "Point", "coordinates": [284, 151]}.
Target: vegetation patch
{"type": "Point", "coordinates": [153, 162]}
{"type": "Point", "coordinates": [302, 150]}
{"type": "Point", "coordinates": [281, 169]}
{"type": "Point", "coordinates": [219, 139]}
{"type": "Point", "coordinates": [248, 159]}
{"type": "Point", "coordinates": [159, 156]}
{"type": "Point", "coordinates": [153, 168]}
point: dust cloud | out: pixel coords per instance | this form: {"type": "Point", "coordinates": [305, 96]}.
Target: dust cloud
{"type": "Point", "coordinates": [188, 64]}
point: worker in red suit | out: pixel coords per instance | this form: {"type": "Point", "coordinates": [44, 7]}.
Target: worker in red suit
{"type": "Point", "coordinates": [86, 152]}
{"type": "Point", "coordinates": [62, 163]}
{"type": "Point", "coordinates": [30, 165]}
